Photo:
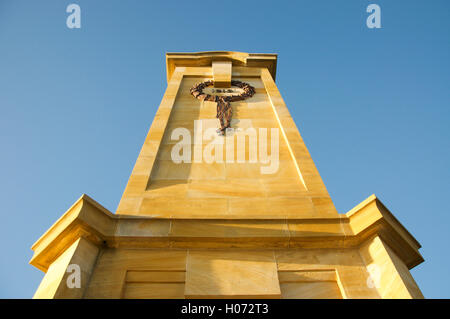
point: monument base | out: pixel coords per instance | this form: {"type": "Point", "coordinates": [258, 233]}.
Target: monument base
{"type": "Point", "coordinates": [365, 253]}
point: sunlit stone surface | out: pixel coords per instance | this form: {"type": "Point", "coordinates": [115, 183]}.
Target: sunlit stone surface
{"type": "Point", "coordinates": [223, 228]}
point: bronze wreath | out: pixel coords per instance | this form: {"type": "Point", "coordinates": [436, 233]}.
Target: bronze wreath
{"type": "Point", "coordinates": [224, 111]}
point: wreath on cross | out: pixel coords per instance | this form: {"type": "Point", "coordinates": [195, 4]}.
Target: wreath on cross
{"type": "Point", "coordinates": [224, 110]}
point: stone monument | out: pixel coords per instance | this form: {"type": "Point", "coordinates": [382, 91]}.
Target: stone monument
{"type": "Point", "coordinates": [225, 201]}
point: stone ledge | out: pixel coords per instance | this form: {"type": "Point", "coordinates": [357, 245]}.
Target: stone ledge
{"type": "Point", "coordinates": [204, 59]}
{"type": "Point", "coordinates": [86, 218]}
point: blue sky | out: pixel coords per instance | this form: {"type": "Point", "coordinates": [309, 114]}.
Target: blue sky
{"type": "Point", "coordinates": [371, 104]}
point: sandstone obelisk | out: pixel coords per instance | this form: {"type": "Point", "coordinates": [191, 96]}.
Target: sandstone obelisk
{"type": "Point", "coordinates": [237, 225]}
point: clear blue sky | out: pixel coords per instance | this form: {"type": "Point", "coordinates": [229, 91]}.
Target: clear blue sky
{"type": "Point", "coordinates": [372, 106]}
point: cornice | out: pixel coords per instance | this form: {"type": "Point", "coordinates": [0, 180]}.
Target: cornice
{"type": "Point", "coordinates": [204, 59]}
{"type": "Point", "coordinates": [87, 218]}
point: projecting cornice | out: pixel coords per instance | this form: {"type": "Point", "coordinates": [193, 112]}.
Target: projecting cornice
{"type": "Point", "coordinates": [204, 59]}
{"type": "Point", "coordinates": [88, 219]}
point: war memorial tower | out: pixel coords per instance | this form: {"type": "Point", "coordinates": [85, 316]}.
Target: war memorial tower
{"type": "Point", "coordinates": [224, 201]}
